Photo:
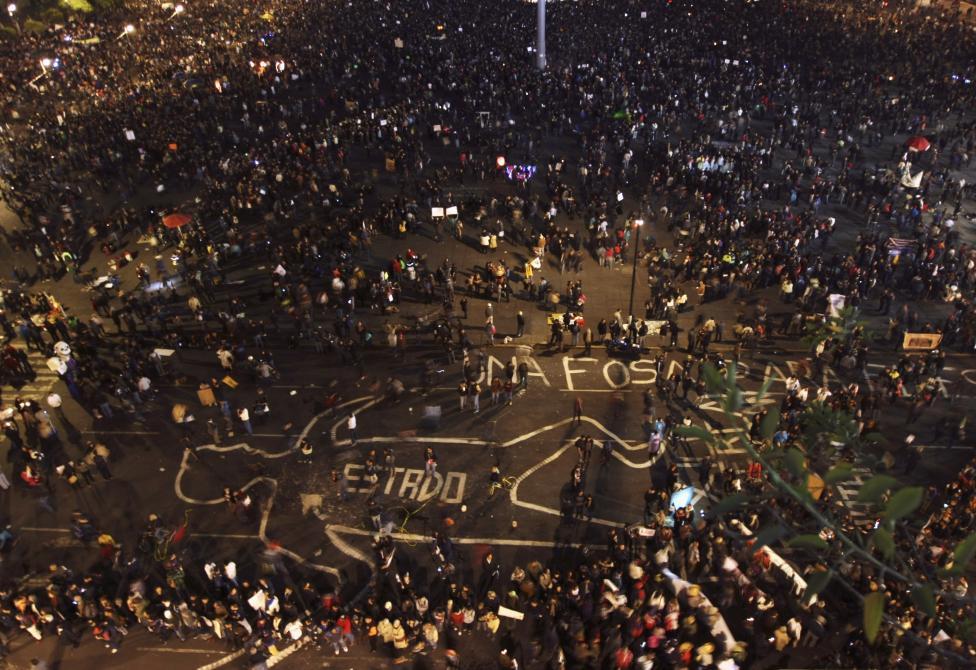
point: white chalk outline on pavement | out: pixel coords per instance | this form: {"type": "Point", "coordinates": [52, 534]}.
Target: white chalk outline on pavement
{"type": "Point", "coordinates": [266, 513]}
{"type": "Point", "coordinates": [513, 494]}
{"type": "Point", "coordinates": [367, 402]}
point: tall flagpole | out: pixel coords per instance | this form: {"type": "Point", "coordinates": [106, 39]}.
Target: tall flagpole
{"type": "Point", "coordinates": [541, 37]}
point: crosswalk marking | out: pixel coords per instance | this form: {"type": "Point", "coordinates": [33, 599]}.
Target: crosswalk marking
{"type": "Point", "coordinates": [38, 388]}
{"type": "Point", "coordinates": [860, 511]}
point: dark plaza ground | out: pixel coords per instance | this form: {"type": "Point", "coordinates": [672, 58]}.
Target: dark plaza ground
{"type": "Point", "coordinates": [531, 441]}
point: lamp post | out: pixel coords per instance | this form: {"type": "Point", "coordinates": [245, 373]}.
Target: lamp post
{"type": "Point", "coordinates": [540, 47]}
{"type": "Point", "coordinates": [638, 223]}
{"type": "Point", "coordinates": [128, 30]}
{"type": "Point", "coordinates": [179, 9]}
{"type": "Point", "coordinates": [12, 9]}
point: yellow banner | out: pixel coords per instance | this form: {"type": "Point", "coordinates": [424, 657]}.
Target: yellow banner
{"type": "Point", "coordinates": [916, 341]}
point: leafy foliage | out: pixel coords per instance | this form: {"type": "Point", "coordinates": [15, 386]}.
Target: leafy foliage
{"type": "Point", "coordinates": [816, 583]}
{"type": "Point", "coordinates": [874, 488]}
{"type": "Point", "coordinates": [808, 542]}
{"type": "Point", "coordinates": [874, 604]}
{"type": "Point", "coordinates": [839, 473]}
{"type": "Point", "coordinates": [904, 502]}
{"type": "Point", "coordinates": [924, 598]}
{"type": "Point", "coordinates": [883, 540]}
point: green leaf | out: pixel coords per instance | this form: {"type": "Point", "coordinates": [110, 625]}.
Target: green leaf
{"type": "Point", "coordinates": [730, 375]}
{"type": "Point", "coordinates": [874, 604]}
{"type": "Point", "coordinates": [904, 502]}
{"type": "Point", "coordinates": [816, 583]}
{"type": "Point", "coordinates": [883, 540]}
{"type": "Point", "coordinates": [924, 598]}
{"type": "Point", "coordinates": [769, 423]}
{"type": "Point", "coordinates": [733, 401]}
{"type": "Point", "coordinates": [764, 389]}
{"type": "Point", "coordinates": [813, 542]}
{"type": "Point", "coordinates": [729, 503]}
{"type": "Point", "coordinates": [966, 629]}
{"type": "Point", "coordinates": [713, 380]}
{"type": "Point", "coordinates": [874, 488]}
{"type": "Point", "coordinates": [963, 553]}
{"type": "Point", "coordinates": [694, 432]}
{"type": "Point", "coordinates": [768, 535]}
{"type": "Point", "coordinates": [839, 473]}
{"type": "Point", "coordinates": [795, 462]}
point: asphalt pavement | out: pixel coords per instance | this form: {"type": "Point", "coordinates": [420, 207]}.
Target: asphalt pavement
{"type": "Point", "coordinates": [531, 440]}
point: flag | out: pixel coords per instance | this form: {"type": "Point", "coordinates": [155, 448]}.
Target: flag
{"type": "Point", "coordinates": [910, 181]}
{"type": "Point", "coordinates": [899, 245]}
{"type": "Point", "coordinates": [622, 115]}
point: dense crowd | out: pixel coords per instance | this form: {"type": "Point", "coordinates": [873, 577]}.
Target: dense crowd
{"type": "Point", "coordinates": [295, 134]}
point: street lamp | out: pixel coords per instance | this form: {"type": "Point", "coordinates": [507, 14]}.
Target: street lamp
{"type": "Point", "coordinates": [540, 45]}
{"type": "Point", "coordinates": [12, 9]}
{"type": "Point", "coordinates": [638, 223]}
{"type": "Point", "coordinates": [179, 9]}
{"type": "Point", "coordinates": [128, 30]}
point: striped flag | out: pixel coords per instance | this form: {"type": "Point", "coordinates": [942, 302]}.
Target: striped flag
{"type": "Point", "coordinates": [900, 243]}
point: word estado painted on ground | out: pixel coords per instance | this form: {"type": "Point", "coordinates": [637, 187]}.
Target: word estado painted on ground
{"type": "Point", "coordinates": [410, 483]}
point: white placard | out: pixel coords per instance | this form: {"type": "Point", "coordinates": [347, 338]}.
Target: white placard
{"type": "Point", "coordinates": [437, 212]}
{"type": "Point", "coordinates": [452, 211]}
{"type": "Point", "coordinates": [643, 15]}
{"type": "Point", "coordinates": [437, 128]}
{"type": "Point", "coordinates": [620, 196]}
{"type": "Point", "coordinates": [511, 614]}
{"type": "Point", "coordinates": [280, 271]}
{"type": "Point", "coordinates": [129, 135]}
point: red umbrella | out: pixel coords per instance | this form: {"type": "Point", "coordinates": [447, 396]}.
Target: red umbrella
{"type": "Point", "coordinates": [176, 220]}
{"type": "Point", "coordinates": [918, 144]}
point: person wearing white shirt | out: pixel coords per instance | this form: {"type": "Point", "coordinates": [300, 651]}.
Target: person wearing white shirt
{"type": "Point", "coordinates": [245, 418]}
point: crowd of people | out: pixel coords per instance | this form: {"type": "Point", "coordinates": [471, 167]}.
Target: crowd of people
{"type": "Point", "coordinates": [295, 134]}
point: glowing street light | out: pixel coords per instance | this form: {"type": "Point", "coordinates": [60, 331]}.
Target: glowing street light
{"type": "Point", "coordinates": [11, 10]}
{"type": "Point", "coordinates": [45, 63]}
{"type": "Point", "coordinates": [179, 9]}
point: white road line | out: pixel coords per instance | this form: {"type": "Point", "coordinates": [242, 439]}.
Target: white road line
{"type": "Point", "coordinates": [180, 650]}
{"type": "Point", "coordinates": [45, 530]}
{"type": "Point", "coordinates": [496, 541]}
{"type": "Point", "coordinates": [410, 439]}
{"type": "Point", "coordinates": [225, 660]}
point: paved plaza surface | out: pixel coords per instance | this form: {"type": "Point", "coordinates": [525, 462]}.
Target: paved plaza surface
{"type": "Point", "coordinates": [531, 440]}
